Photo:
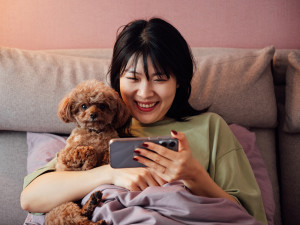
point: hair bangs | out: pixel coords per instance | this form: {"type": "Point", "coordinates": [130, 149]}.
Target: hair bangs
{"type": "Point", "coordinates": [144, 55]}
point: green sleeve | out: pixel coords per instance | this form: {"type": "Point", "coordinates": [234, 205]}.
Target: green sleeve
{"type": "Point", "coordinates": [235, 175]}
{"type": "Point", "coordinates": [228, 164]}
{"type": "Point", "coordinates": [233, 172]}
{"type": "Point", "coordinates": [50, 166]}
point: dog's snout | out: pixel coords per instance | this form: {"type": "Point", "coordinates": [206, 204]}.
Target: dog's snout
{"type": "Point", "coordinates": [93, 116]}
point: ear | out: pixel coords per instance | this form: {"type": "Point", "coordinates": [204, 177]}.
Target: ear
{"type": "Point", "coordinates": [64, 110]}
{"type": "Point", "coordinates": [122, 114]}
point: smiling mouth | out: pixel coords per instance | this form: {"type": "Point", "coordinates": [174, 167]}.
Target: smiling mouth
{"type": "Point", "coordinates": [146, 107]}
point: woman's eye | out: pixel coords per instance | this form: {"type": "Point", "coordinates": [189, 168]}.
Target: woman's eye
{"type": "Point", "coordinates": [161, 78]}
{"type": "Point", "coordinates": [84, 106]}
{"type": "Point", "coordinates": [132, 78]}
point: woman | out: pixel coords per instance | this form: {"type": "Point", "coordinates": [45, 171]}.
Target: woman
{"type": "Point", "coordinates": [152, 69]}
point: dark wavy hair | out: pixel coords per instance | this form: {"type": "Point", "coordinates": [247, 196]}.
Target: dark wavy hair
{"type": "Point", "coordinates": [169, 54]}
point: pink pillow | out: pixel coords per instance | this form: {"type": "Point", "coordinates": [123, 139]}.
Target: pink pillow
{"type": "Point", "coordinates": [248, 141]}
{"type": "Point", "coordinates": [42, 147]}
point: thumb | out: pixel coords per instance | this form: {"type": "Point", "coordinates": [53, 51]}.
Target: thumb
{"type": "Point", "coordinates": [183, 144]}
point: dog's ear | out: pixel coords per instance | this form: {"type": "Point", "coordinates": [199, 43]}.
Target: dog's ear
{"type": "Point", "coordinates": [122, 114]}
{"type": "Point", "coordinates": [64, 110]}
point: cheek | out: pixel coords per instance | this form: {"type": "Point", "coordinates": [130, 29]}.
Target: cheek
{"type": "Point", "coordinates": [125, 90]}
{"type": "Point", "coordinates": [168, 93]}
{"type": "Point", "coordinates": [126, 99]}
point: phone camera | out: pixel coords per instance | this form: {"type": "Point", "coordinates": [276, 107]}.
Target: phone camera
{"type": "Point", "coordinates": [172, 144]}
{"type": "Point", "coordinates": [165, 144]}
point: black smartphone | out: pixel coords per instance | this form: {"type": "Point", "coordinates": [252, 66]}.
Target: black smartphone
{"type": "Point", "coordinates": [121, 150]}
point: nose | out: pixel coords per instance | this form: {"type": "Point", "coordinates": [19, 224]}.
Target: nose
{"type": "Point", "coordinates": [145, 89]}
{"type": "Point", "coordinates": [93, 116]}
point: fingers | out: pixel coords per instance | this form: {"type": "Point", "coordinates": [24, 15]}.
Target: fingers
{"type": "Point", "coordinates": [151, 180]}
{"type": "Point", "coordinates": [169, 165]}
{"type": "Point", "coordinates": [136, 179]}
{"type": "Point", "coordinates": [182, 141]}
{"type": "Point", "coordinates": [134, 187]}
{"type": "Point", "coordinates": [158, 179]}
{"type": "Point", "coordinates": [157, 162]}
{"type": "Point", "coordinates": [162, 155]}
{"type": "Point", "coordinates": [141, 182]}
{"type": "Point", "coordinates": [155, 148]}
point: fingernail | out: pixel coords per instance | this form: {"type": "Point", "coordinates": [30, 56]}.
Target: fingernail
{"type": "Point", "coordinates": [137, 151]}
{"type": "Point", "coordinates": [174, 132]}
{"type": "Point", "coordinates": [135, 159]}
{"type": "Point", "coordinates": [144, 145]}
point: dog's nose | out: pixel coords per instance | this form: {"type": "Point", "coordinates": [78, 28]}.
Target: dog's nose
{"type": "Point", "coordinates": [93, 115]}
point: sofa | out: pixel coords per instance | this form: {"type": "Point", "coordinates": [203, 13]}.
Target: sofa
{"type": "Point", "coordinates": [258, 89]}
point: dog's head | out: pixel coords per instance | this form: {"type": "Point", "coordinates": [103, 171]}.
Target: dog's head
{"type": "Point", "coordinates": [93, 105]}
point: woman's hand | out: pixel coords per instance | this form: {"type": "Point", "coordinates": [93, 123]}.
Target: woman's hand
{"type": "Point", "coordinates": [135, 179]}
{"type": "Point", "coordinates": [170, 165]}
{"type": "Point", "coordinates": [181, 165]}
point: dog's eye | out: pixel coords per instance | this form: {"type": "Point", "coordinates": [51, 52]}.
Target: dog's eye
{"type": "Point", "coordinates": [84, 106]}
{"type": "Point", "coordinates": [102, 106]}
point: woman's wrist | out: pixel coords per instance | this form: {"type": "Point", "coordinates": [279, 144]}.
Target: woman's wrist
{"type": "Point", "coordinates": [202, 184]}
{"type": "Point", "coordinates": [194, 182]}
{"type": "Point", "coordinates": [101, 175]}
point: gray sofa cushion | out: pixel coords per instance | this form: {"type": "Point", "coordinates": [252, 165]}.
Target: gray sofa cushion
{"type": "Point", "coordinates": [235, 83]}
{"type": "Point", "coordinates": [32, 83]}
{"type": "Point", "coordinates": [13, 155]}
{"type": "Point", "coordinates": [238, 85]}
{"type": "Point", "coordinates": [292, 97]}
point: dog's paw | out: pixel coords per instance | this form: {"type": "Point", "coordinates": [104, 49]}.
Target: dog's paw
{"type": "Point", "coordinates": [96, 198]}
{"type": "Point", "coordinates": [79, 158]}
{"type": "Point", "coordinates": [88, 157]}
{"type": "Point", "coordinates": [101, 222]}
{"type": "Point", "coordinates": [89, 207]}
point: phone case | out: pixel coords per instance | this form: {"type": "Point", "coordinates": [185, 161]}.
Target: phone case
{"type": "Point", "coordinates": [121, 150]}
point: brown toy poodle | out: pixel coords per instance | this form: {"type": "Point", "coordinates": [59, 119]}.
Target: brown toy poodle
{"type": "Point", "coordinates": [98, 112]}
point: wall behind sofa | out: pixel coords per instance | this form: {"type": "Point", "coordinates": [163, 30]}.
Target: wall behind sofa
{"type": "Point", "coordinates": [50, 24]}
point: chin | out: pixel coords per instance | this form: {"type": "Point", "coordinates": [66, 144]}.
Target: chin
{"type": "Point", "coordinates": [147, 120]}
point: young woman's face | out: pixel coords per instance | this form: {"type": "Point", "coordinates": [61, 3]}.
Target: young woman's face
{"type": "Point", "coordinates": [147, 100]}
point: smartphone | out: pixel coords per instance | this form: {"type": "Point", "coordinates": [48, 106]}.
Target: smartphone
{"type": "Point", "coordinates": [121, 150]}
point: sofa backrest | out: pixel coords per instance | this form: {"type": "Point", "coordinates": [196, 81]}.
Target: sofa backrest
{"type": "Point", "coordinates": [236, 83]}
{"type": "Point", "coordinates": [286, 67]}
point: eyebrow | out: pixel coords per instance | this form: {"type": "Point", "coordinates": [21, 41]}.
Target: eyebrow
{"type": "Point", "coordinates": [130, 69]}
{"type": "Point", "coordinates": [134, 72]}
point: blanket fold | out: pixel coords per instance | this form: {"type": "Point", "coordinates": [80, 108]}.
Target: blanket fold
{"type": "Point", "coordinates": [170, 204]}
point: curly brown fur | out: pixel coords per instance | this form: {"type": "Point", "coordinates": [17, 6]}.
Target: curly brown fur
{"type": "Point", "coordinates": [70, 213]}
{"type": "Point", "coordinates": [98, 112]}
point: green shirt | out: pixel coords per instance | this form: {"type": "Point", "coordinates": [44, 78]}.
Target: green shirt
{"type": "Point", "coordinates": [213, 144]}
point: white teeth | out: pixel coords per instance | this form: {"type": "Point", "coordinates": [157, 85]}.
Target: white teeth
{"type": "Point", "coordinates": [146, 105]}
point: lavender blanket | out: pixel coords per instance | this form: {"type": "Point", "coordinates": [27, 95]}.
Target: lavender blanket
{"type": "Point", "coordinates": [171, 204]}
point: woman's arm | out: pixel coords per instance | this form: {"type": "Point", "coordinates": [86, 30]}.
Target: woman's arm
{"type": "Point", "coordinates": [54, 188]}
{"type": "Point", "coordinates": [51, 189]}
{"type": "Point", "coordinates": [181, 165]}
